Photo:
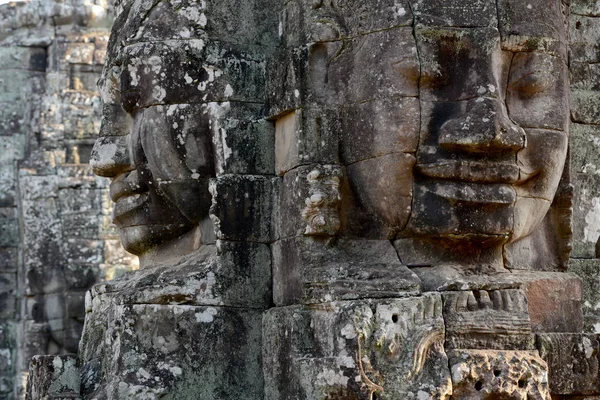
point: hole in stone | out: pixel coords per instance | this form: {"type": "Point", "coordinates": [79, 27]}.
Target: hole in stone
{"type": "Point", "coordinates": [522, 383]}
{"type": "Point", "coordinates": [394, 318]}
{"type": "Point", "coordinates": [497, 372]}
{"type": "Point", "coordinates": [578, 25]}
{"type": "Point", "coordinates": [479, 385]}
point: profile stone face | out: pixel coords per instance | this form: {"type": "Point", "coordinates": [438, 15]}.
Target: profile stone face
{"type": "Point", "coordinates": [156, 138]}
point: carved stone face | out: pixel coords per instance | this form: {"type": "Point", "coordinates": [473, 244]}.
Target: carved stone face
{"type": "Point", "coordinates": [155, 142]}
{"type": "Point", "coordinates": [493, 138]}
{"type": "Point", "coordinates": [453, 117]}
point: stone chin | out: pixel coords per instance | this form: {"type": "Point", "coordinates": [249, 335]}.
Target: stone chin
{"type": "Point", "coordinates": [142, 239]}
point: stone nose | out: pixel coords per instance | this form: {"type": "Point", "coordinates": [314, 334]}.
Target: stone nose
{"type": "Point", "coordinates": [484, 127]}
{"type": "Point", "coordinates": [110, 156]}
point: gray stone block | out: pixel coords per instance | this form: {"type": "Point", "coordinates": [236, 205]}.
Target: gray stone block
{"type": "Point", "coordinates": [8, 259]}
{"type": "Point", "coordinates": [53, 377]}
{"type": "Point", "coordinates": [493, 374]}
{"type": "Point", "coordinates": [9, 227]}
{"type": "Point", "coordinates": [573, 361]}
{"type": "Point", "coordinates": [242, 207]}
{"type": "Point", "coordinates": [236, 274]}
{"type": "Point", "coordinates": [586, 213]}
{"type": "Point", "coordinates": [589, 272]}
{"type": "Point", "coordinates": [312, 271]}
{"type": "Point", "coordinates": [584, 33]}
{"type": "Point", "coordinates": [174, 351]}
{"type": "Point", "coordinates": [487, 319]}
{"type": "Point", "coordinates": [390, 349]}
{"type": "Point", "coordinates": [480, 13]}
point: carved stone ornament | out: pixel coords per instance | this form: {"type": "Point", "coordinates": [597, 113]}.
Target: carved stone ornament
{"type": "Point", "coordinates": [321, 212]}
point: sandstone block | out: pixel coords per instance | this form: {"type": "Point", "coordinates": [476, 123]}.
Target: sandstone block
{"type": "Point", "coordinates": [589, 272]}
{"type": "Point", "coordinates": [481, 13]}
{"type": "Point", "coordinates": [477, 45]}
{"type": "Point", "coordinates": [572, 362]}
{"type": "Point", "coordinates": [585, 106]}
{"type": "Point", "coordinates": [554, 301]}
{"type": "Point", "coordinates": [307, 136]}
{"type": "Point", "coordinates": [391, 349]}
{"type": "Point", "coordinates": [306, 193]}
{"type": "Point", "coordinates": [53, 377]}
{"type": "Point", "coordinates": [321, 21]}
{"type": "Point", "coordinates": [8, 259]}
{"type": "Point", "coordinates": [243, 23]}
{"type": "Point", "coordinates": [379, 127]}
{"type": "Point", "coordinates": [9, 227]}
{"type": "Point", "coordinates": [226, 74]}
{"type": "Point", "coordinates": [236, 274]}
{"type": "Point", "coordinates": [479, 374]}
{"type": "Point", "coordinates": [243, 138]}
{"type": "Point", "coordinates": [8, 185]}
{"type": "Point", "coordinates": [540, 25]}
{"type": "Point", "coordinates": [585, 145]}
{"type": "Point", "coordinates": [585, 7]}
{"type": "Point", "coordinates": [176, 351]}
{"type": "Point", "coordinates": [30, 58]}
{"type": "Point", "coordinates": [242, 207]}
{"type": "Point", "coordinates": [584, 33]}
{"type": "Point", "coordinates": [487, 320]}
{"type": "Point", "coordinates": [586, 213]}
{"type": "Point", "coordinates": [311, 271]}
{"type": "Point", "coordinates": [13, 117]}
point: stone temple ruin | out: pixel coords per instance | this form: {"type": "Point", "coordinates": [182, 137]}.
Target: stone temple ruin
{"type": "Point", "coordinates": [329, 199]}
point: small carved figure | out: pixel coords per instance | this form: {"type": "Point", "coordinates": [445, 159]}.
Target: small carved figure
{"type": "Point", "coordinates": [321, 212]}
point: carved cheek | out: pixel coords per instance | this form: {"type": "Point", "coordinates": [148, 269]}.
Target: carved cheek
{"type": "Point", "coordinates": [386, 185]}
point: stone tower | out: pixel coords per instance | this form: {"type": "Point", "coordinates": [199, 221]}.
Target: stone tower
{"type": "Point", "coordinates": [346, 200]}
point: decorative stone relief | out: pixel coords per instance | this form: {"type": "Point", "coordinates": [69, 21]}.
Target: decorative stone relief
{"type": "Point", "coordinates": [321, 212]}
{"type": "Point", "coordinates": [489, 374]}
{"type": "Point", "coordinates": [384, 349]}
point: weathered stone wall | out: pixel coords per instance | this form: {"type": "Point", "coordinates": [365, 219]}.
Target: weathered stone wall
{"type": "Point", "coordinates": [585, 151]}
{"type": "Point", "coordinates": [56, 238]}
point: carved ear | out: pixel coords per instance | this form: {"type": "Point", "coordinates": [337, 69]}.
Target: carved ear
{"type": "Point", "coordinates": [549, 246]}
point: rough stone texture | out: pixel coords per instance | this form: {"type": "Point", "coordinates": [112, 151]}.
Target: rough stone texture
{"type": "Point", "coordinates": [388, 349]}
{"type": "Point", "coordinates": [554, 302]}
{"type": "Point", "coordinates": [55, 237]}
{"type": "Point", "coordinates": [573, 361]}
{"type": "Point", "coordinates": [308, 271]}
{"type": "Point", "coordinates": [137, 351]}
{"type": "Point", "coordinates": [53, 377]}
{"type": "Point", "coordinates": [481, 374]}
{"type": "Point", "coordinates": [487, 319]}
{"type": "Point", "coordinates": [589, 271]}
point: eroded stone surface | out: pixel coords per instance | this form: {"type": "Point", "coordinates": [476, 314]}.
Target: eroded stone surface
{"type": "Point", "coordinates": [309, 271]}
{"type": "Point", "coordinates": [358, 349]}
{"type": "Point", "coordinates": [478, 374]}
{"type": "Point", "coordinates": [487, 319]}
{"type": "Point", "coordinates": [53, 377]}
{"type": "Point", "coordinates": [573, 361]}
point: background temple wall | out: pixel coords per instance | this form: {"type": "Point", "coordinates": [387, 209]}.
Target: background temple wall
{"type": "Point", "coordinates": [585, 153]}
{"type": "Point", "coordinates": [56, 238]}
